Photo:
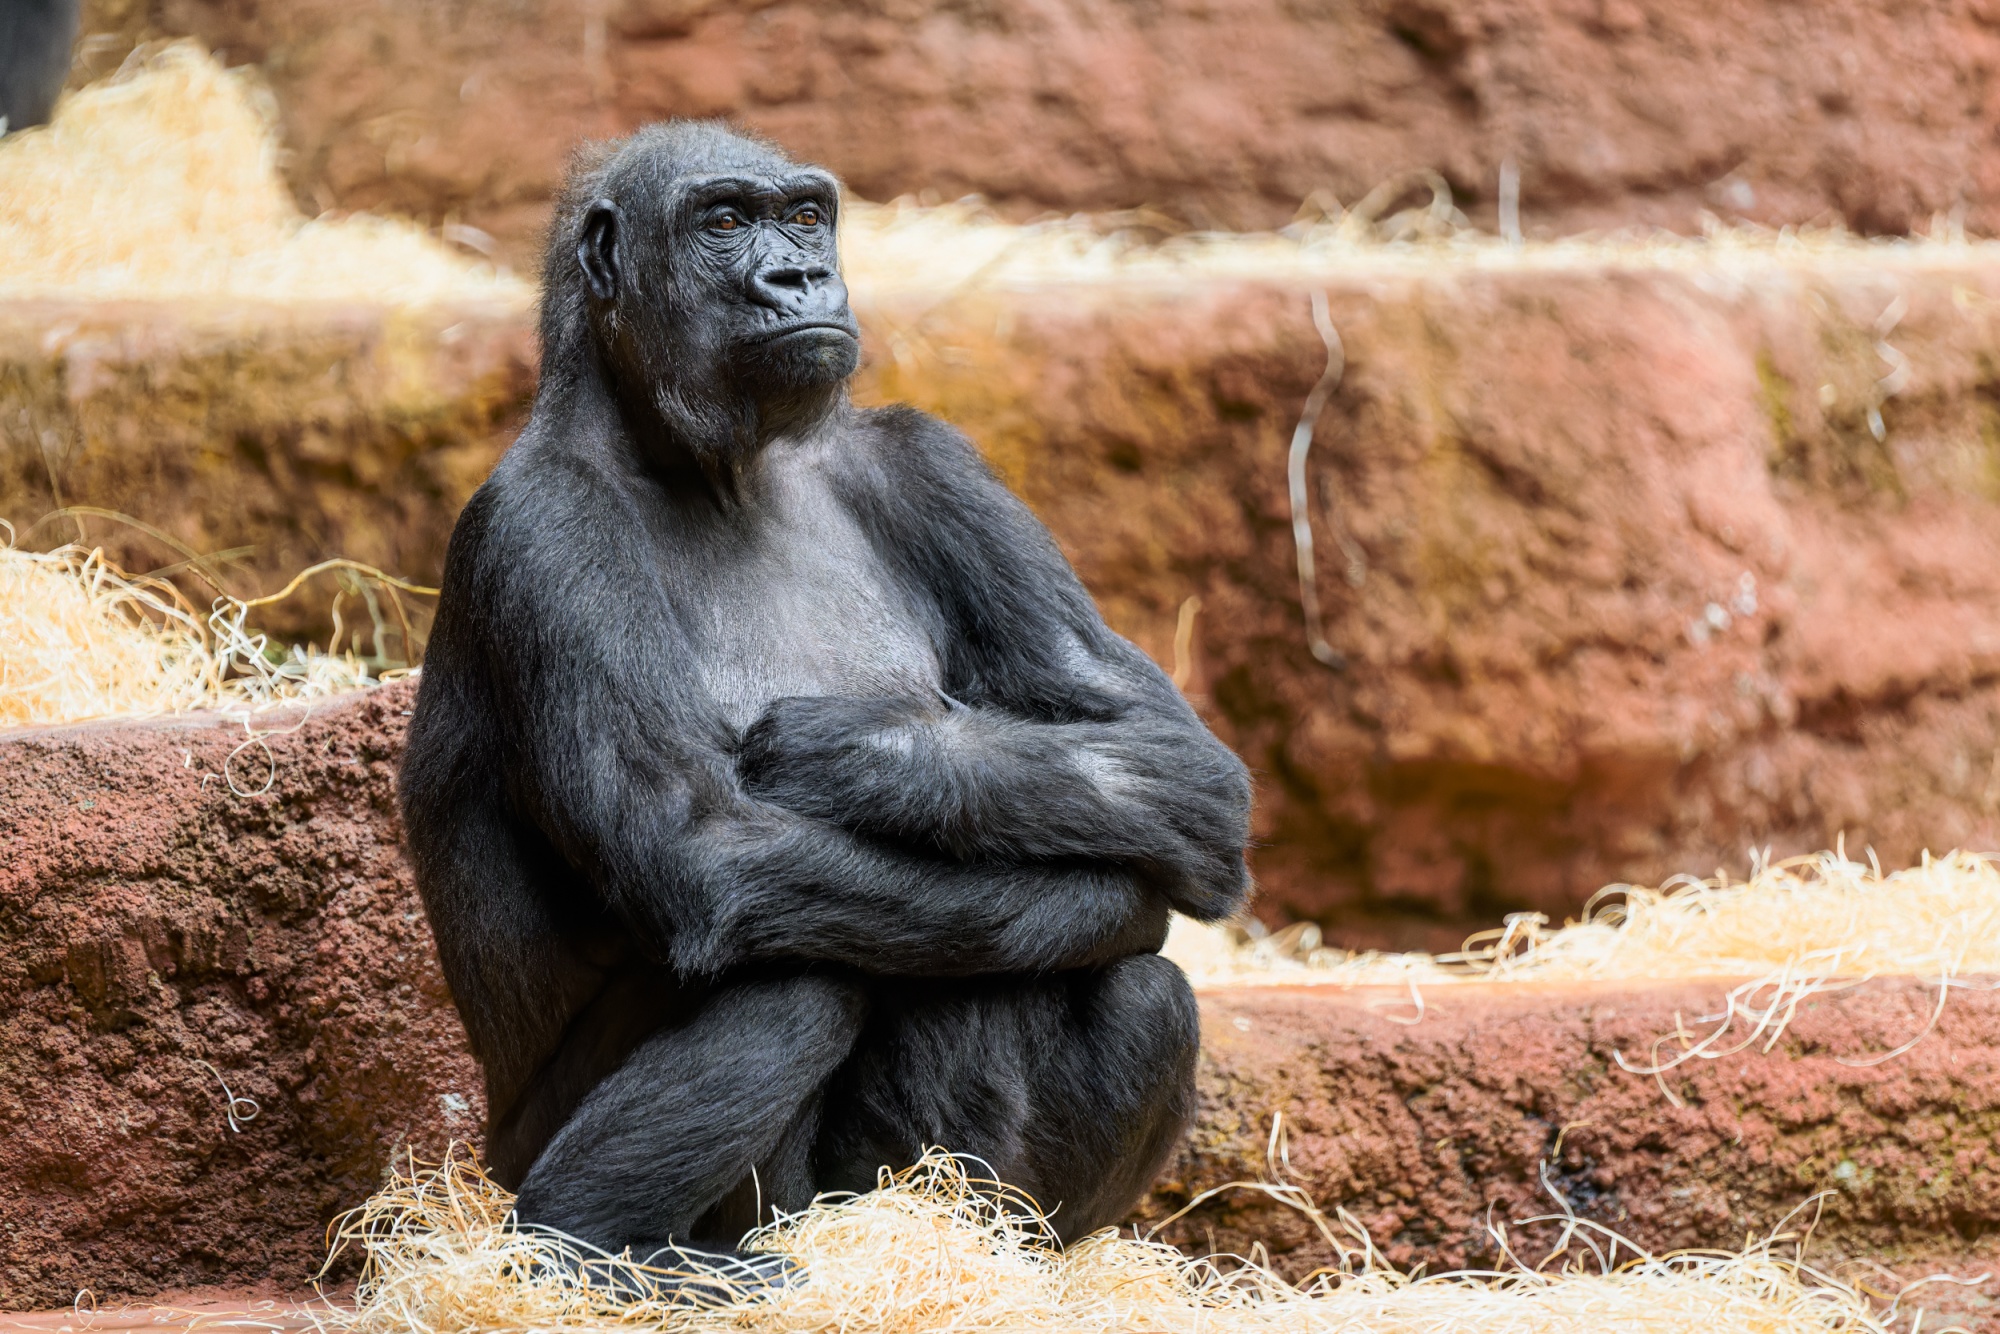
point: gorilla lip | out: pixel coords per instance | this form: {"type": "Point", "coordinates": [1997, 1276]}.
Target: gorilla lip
{"type": "Point", "coordinates": [815, 326]}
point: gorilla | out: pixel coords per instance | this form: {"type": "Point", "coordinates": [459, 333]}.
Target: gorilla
{"type": "Point", "coordinates": [35, 40]}
{"type": "Point", "coordinates": [780, 803]}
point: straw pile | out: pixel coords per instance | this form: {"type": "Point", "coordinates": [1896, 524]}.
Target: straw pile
{"type": "Point", "coordinates": [80, 639]}
{"type": "Point", "coordinates": [935, 253]}
{"type": "Point", "coordinates": [934, 1249]}
{"type": "Point", "coordinates": [162, 182]}
{"type": "Point", "coordinates": [1817, 917]}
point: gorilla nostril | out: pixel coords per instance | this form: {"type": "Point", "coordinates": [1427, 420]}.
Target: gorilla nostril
{"type": "Point", "coordinates": [798, 277]}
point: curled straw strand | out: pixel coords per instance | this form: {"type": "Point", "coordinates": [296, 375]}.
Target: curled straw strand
{"type": "Point", "coordinates": [1295, 475]}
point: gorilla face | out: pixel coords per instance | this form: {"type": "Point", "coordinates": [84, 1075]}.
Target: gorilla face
{"type": "Point", "coordinates": [711, 266]}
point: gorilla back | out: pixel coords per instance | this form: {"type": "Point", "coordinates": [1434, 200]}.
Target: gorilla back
{"type": "Point", "coordinates": [780, 803]}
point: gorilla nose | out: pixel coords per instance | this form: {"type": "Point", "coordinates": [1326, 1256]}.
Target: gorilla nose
{"type": "Point", "coordinates": [788, 286]}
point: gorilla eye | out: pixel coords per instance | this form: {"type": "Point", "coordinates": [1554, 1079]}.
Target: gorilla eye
{"type": "Point", "coordinates": [726, 222]}
{"type": "Point", "coordinates": [807, 216]}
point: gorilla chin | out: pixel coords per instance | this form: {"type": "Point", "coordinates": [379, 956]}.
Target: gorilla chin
{"type": "Point", "coordinates": [810, 356]}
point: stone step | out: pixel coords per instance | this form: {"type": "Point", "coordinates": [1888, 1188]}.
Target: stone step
{"type": "Point", "coordinates": [299, 431]}
{"type": "Point", "coordinates": [181, 939]}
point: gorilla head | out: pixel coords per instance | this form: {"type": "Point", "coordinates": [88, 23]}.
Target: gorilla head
{"type": "Point", "coordinates": [710, 291]}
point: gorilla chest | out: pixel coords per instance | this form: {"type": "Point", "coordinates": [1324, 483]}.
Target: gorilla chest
{"type": "Point", "coordinates": [808, 609]}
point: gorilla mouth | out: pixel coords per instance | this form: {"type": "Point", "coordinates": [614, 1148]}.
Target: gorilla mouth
{"type": "Point", "coordinates": [808, 326]}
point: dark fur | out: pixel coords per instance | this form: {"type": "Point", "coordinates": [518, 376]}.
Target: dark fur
{"type": "Point", "coordinates": [35, 41]}
{"type": "Point", "coordinates": [780, 802]}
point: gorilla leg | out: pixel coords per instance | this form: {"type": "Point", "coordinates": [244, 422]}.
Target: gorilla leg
{"type": "Point", "coordinates": [1074, 1087]}
{"type": "Point", "coordinates": [664, 1149]}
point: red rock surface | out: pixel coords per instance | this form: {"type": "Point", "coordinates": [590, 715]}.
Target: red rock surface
{"type": "Point", "coordinates": [1418, 1125]}
{"type": "Point", "coordinates": [1425, 1130]}
{"type": "Point", "coordinates": [1226, 113]}
{"type": "Point", "coordinates": [1629, 586]}
{"type": "Point", "coordinates": [165, 934]}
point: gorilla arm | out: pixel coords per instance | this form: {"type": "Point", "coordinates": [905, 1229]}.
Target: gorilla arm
{"type": "Point", "coordinates": [1075, 745]}
{"type": "Point", "coordinates": [1138, 789]}
{"type": "Point", "coordinates": [603, 750]}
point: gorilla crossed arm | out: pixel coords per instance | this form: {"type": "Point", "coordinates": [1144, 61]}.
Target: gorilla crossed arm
{"type": "Point", "coordinates": [780, 803]}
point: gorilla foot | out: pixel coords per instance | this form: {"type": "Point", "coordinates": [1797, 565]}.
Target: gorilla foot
{"type": "Point", "coordinates": [684, 1276]}
{"type": "Point", "coordinates": [673, 1274]}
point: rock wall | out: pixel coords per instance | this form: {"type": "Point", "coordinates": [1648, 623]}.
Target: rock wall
{"type": "Point", "coordinates": [183, 908]}
{"type": "Point", "coordinates": [1223, 113]}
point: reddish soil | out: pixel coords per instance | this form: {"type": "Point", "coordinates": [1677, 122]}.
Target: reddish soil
{"type": "Point", "coordinates": [166, 935]}
{"type": "Point", "coordinates": [1225, 113]}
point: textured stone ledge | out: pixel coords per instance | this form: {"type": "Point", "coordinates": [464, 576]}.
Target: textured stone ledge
{"type": "Point", "coordinates": [152, 920]}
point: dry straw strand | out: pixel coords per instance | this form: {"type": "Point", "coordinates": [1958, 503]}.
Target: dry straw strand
{"type": "Point", "coordinates": [922, 258]}
{"type": "Point", "coordinates": [1796, 926]}
{"type": "Point", "coordinates": [1796, 929]}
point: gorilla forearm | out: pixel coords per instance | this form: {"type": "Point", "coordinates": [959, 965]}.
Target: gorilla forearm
{"type": "Point", "coordinates": [712, 883]}
{"type": "Point", "coordinates": [1153, 793]}
{"type": "Point", "coordinates": [813, 892]}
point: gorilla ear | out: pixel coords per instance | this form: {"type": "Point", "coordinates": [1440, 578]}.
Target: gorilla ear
{"type": "Point", "coordinates": [597, 249]}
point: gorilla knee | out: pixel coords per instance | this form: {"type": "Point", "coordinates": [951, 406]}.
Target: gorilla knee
{"type": "Point", "coordinates": [692, 1112]}
{"type": "Point", "coordinates": [1148, 999]}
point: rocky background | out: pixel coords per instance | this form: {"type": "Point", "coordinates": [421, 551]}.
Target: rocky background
{"type": "Point", "coordinates": [1219, 113]}
{"type": "Point", "coordinates": [1638, 567]}
{"type": "Point", "coordinates": [1626, 582]}
{"type": "Point", "coordinates": [1638, 561]}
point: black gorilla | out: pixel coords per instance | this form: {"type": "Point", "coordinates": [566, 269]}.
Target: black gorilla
{"type": "Point", "coordinates": [780, 803]}
{"type": "Point", "coordinates": [35, 38]}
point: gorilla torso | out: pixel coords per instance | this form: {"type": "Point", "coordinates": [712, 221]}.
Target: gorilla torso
{"type": "Point", "coordinates": [803, 604]}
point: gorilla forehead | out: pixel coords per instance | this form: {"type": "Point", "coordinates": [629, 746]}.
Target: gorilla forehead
{"type": "Point", "coordinates": [650, 160]}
